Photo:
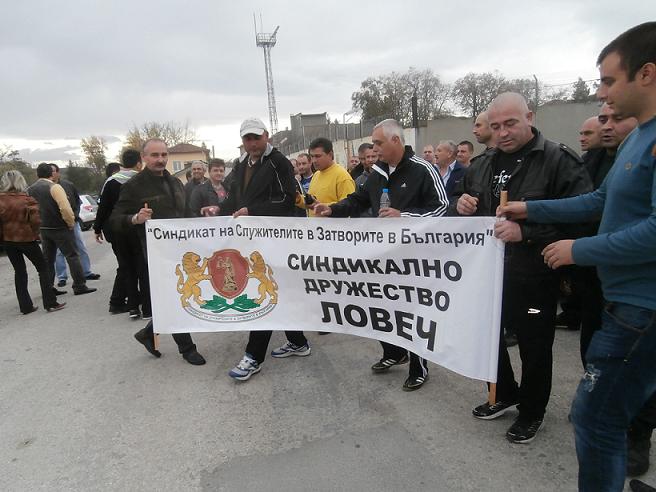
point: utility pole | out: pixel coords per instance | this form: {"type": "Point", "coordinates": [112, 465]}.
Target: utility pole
{"type": "Point", "coordinates": [266, 42]}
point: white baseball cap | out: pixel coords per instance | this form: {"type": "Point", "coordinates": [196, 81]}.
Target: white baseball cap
{"type": "Point", "coordinates": [252, 125]}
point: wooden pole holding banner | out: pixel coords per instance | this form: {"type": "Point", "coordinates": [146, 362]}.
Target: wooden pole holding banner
{"type": "Point", "coordinates": [155, 335]}
{"type": "Point", "coordinates": [492, 393]}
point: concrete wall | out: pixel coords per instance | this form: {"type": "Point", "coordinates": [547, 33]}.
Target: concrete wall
{"type": "Point", "coordinates": [558, 122]}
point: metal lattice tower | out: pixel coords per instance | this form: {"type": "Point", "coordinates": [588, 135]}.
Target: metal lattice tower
{"type": "Point", "coordinates": [266, 42]}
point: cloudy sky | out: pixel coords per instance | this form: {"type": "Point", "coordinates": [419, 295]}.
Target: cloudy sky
{"type": "Point", "coordinates": [75, 68]}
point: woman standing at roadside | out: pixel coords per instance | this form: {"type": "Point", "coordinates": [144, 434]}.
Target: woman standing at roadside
{"type": "Point", "coordinates": [19, 231]}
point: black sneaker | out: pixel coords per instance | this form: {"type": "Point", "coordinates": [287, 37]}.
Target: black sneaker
{"type": "Point", "coordinates": [639, 486]}
{"type": "Point", "coordinates": [637, 457]}
{"type": "Point", "coordinates": [83, 290]}
{"type": "Point", "coordinates": [414, 382]}
{"type": "Point", "coordinates": [384, 364]}
{"type": "Point", "coordinates": [135, 313]}
{"type": "Point", "coordinates": [118, 309]}
{"type": "Point", "coordinates": [61, 283]}
{"type": "Point", "coordinates": [523, 431]}
{"type": "Point", "coordinates": [489, 412]}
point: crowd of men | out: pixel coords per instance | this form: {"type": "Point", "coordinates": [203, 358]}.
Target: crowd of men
{"type": "Point", "coordinates": [595, 212]}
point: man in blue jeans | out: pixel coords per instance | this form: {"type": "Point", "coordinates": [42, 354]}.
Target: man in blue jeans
{"type": "Point", "coordinates": [620, 372]}
{"type": "Point", "coordinates": [60, 263]}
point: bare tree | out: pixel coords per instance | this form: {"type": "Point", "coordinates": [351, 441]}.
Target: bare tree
{"type": "Point", "coordinates": [171, 132]}
{"type": "Point", "coordinates": [475, 91]}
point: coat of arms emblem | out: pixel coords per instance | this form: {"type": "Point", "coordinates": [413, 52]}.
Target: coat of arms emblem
{"type": "Point", "coordinates": [244, 288]}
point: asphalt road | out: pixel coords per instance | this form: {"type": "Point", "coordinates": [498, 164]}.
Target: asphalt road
{"type": "Point", "coordinates": [84, 407]}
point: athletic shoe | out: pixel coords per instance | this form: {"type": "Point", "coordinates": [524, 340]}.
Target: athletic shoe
{"type": "Point", "coordinates": [523, 431]}
{"type": "Point", "coordinates": [290, 349]}
{"type": "Point", "coordinates": [57, 307]}
{"type": "Point", "coordinates": [384, 364]}
{"type": "Point", "coordinates": [489, 412]}
{"type": "Point", "coordinates": [638, 486]}
{"type": "Point", "coordinates": [135, 313]}
{"type": "Point", "coordinates": [118, 309]}
{"type": "Point", "coordinates": [414, 382]}
{"type": "Point", "coordinates": [61, 283]}
{"type": "Point", "coordinates": [246, 367]}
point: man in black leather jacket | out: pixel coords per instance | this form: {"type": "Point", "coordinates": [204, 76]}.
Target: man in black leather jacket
{"type": "Point", "coordinates": [528, 167]}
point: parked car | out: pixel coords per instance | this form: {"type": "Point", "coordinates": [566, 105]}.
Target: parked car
{"type": "Point", "coordinates": [88, 210]}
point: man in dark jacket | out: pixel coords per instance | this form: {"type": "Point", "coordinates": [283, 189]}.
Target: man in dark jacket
{"type": "Point", "coordinates": [415, 189]}
{"type": "Point", "coordinates": [206, 197]}
{"type": "Point", "coordinates": [528, 167]}
{"type": "Point", "coordinates": [153, 194]}
{"type": "Point", "coordinates": [264, 184]}
{"type": "Point", "coordinates": [126, 247]}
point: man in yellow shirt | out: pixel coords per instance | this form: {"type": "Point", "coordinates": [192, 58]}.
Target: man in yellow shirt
{"type": "Point", "coordinates": [331, 182]}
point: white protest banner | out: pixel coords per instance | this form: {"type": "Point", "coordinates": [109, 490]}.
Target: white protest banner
{"type": "Point", "coordinates": [430, 285]}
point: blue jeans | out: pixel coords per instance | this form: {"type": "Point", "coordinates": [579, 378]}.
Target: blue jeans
{"type": "Point", "coordinates": [60, 261]}
{"type": "Point", "coordinates": [620, 376]}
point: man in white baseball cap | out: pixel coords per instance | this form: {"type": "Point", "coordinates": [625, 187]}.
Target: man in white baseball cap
{"type": "Point", "coordinates": [253, 126]}
{"type": "Point", "coordinates": [263, 184]}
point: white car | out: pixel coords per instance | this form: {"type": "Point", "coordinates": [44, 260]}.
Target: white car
{"type": "Point", "coordinates": [88, 209]}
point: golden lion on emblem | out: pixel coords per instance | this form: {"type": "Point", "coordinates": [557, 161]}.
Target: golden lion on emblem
{"type": "Point", "coordinates": [267, 284]}
{"type": "Point", "coordinates": [189, 288]}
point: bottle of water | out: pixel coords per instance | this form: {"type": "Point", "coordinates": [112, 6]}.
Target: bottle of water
{"type": "Point", "coordinates": [385, 199]}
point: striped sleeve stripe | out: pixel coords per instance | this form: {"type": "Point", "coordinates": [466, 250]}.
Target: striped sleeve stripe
{"type": "Point", "coordinates": [439, 188]}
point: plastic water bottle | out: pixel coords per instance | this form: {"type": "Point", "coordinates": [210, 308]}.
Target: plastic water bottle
{"type": "Point", "coordinates": [385, 199]}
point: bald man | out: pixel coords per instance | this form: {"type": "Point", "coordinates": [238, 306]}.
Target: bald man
{"type": "Point", "coordinates": [483, 134]}
{"type": "Point", "coordinates": [590, 134]}
{"type": "Point", "coordinates": [528, 167]}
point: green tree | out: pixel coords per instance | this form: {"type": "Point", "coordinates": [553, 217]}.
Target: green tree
{"type": "Point", "coordinates": [85, 179]}
{"type": "Point", "coordinates": [390, 96]}
{"type": "Point", "coordinates": [94, 149]}
{"type": "Point", "coordinates": [581, 92]}
{"type": "Point", "coordinates": [10, 159]}
{"type": "Point", "coordinates": [475, 91]}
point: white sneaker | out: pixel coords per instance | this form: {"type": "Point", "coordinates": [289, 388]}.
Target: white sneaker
{"type": "Point", "coordinates": [246, 367]}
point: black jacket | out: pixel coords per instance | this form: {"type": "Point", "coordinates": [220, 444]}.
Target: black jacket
{"type": "Point", "coordinates": [164, 195]}
{"type": "Point", "coordinates": [202, 196]}
{"type": "Point", "coordinates": [271, 190]}
{"type": "Point", "coordinates": [415, 188]}
{"type": "Point", "coordinates": [548, 171]}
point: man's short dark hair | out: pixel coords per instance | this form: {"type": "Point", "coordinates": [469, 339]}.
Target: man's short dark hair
{"type": "Point", "coordinates": [469, 145]}
{"type": "Point", "coordinates": [216, 163]}
{"type": "Point", "coordinates": [44, 170]}
{"type": "Point", "coordinates": [364, 147]}
{"type": "Point", "coordinates": [112, 168]}
{"type": "Point", "coordinates": [635, 47]}
{"type": "Point", "coordinates": [145, 144]}
{"type": "Point", "coordinates": [323, 143]}
{"type": "Point", "coordinates": [304, 154]}
{"type": "Point", "coordinates": [55, 166]}
{"type": "Point", "coordinates": [130, 158]}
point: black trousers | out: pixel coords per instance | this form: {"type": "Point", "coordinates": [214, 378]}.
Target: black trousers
{"type": "Point", "coordinates": [529, 305]}
{"type": "Point", "coordinates": [258, 342]}
{"type": "Point", "coordinates": [64, 239]}
{"type": "Point", "coordinates": [418, 366]}
{"type": "Point", "coordinates": [184, 341]}
{"type": "Point", "coordinates": [130, 273]}
{"type": "Point", "coordinates": [16, 252]}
